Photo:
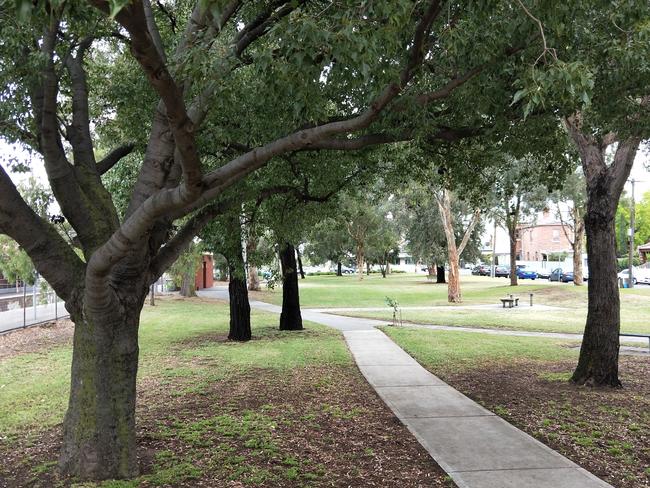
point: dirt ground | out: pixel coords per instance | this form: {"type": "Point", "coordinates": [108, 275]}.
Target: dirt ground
{"type": "Point", "coordinates": [606, 431]}
{"type": "Point", "coordinates": [310, 427]}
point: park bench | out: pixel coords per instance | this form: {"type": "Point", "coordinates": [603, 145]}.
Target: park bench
{"type": "Point", "coordinates": [638, 335]}
{"type": "Point", "coordinates": [511, 302]}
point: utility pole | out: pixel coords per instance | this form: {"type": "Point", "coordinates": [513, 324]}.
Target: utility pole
{"type": "Point", "coordinates": [631, 253]}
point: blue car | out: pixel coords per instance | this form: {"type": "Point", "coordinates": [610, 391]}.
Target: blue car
{"type": "Point", "coordinates": [526, 274]}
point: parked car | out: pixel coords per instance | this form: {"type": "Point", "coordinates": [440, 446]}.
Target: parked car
{"type": "Point", "coordinates": [526, 274]}
{"type": "Point", "coordinates": [481, 270]}
{"type": "Point", "coordinates": [558, 275]}
{"type": "Point", "coordinates": [502, 272]}
{"type": "Point", "coordinates": [543, 273]}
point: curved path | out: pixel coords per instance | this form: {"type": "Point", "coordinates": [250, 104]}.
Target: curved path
{"type": "Point", "coordinates": [474, 446]}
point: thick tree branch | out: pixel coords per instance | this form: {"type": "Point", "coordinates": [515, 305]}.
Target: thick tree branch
{"type": "Point", "coordinates": [182, 239]}
{"type": "Point", "coordinates": [468, 232]}
{"type": "Point", "coordinates": [51, 256]}
{"type": "Point", "coordinates": [113, 157]}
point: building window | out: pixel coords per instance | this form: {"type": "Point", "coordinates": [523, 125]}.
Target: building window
{"type": "Point", "coordinates": [556, 235]}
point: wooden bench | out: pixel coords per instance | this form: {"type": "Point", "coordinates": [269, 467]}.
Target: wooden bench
{"type": "Point", "coordinates": [512, 302]}
{"type": "Point", "coordinates": [638, 335]}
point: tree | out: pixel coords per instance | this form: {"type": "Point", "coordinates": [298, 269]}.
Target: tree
{"type": "Point", "coordinates": [572, 195]}
{"type": "Point", "coordinates": [224, 236]}
{"type": "Point", "coordinates": [329, 240]}
{"type": "Point", "coordinates": [258, 80]}
{"type": "Point", "coordinates": [454, 249]}
{"type": "Point", "coordinates": [290, 318]}
{"type": "Point", "coordinates": [520, 195]}
{"type": "Point", "coordinates": [183, 271]}
{"type": "Point", "coordinates": [605, 112]}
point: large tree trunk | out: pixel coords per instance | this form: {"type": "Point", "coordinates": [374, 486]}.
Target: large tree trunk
{"type": "Point", "coordinates": [598, 363]}
{"type": "Point", "coordinates": [453, 277]}
{"type": "Point", "coordinates": [339, 271]}
{"type": "Point", "coordinates": [99, 426]}
{"type": "Point", "coordinates": [240, 310]}
{"type": "Point", "coordinates": [440, 275]}
{"type": "Point", "coordinates": [290, 318]}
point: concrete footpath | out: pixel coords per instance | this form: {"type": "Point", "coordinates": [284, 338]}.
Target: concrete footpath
{"type": "Point", "coordinates": [474, 446]}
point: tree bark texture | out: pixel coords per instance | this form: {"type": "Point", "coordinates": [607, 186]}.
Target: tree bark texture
{"type": "Point", "coordinates": [512, 233]}
{"type": "Point", "coordinates": [577, 245]}
{"type": "Point", "coordinates": [598, 361]}
{"type": "Point", "coordinates": [290, 318]}
{"type": "Point", "coordinates": [240, 309]}
{"type": "Point", "coordinates": [99, 425]}
{"type": "Point", "coordinates": [188, 286]}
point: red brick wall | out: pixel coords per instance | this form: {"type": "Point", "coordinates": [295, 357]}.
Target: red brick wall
{"type": "Point", "coordinates": [541, 239]}
{"type": "Point", "coordinates": [208, 265]}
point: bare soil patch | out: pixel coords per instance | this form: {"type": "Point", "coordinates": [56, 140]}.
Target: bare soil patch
{"type": "Point", "coordinates": [309, 427]}
{"type": "Point", "coordinates": [606, 431]}
{"type": "Point", "coordinates": [36, 338]}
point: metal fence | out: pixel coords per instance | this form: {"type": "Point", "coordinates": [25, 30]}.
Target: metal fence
{"type": "Point", "coordinates": [29, 305]}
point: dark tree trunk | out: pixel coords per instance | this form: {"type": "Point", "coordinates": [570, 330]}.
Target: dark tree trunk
{"type": "Point", "coordinates": [99, 425]}
{"type": "Point", "coordinates": [367, 268]}
{"type": "Point", "coordinates": [302, 273]}
{"type": "Point", "coordinates": [240, 310]}
{"type": "Point", "coordinates": [290, 318]}
{"type": "Point", "coordinates": [513, 257]}
{"type": "Point", "coordinates": [598, 363]}
{"type": "Point", "coordinates": [339, 272]}
{"type": "Point", "coordinates": [440, 274]}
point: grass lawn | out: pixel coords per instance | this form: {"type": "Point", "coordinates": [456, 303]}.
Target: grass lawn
{"type": "Point", "coordinates": [285, 409]}
{"type": "Point", "coordinates": [415, 290]}
{"type": "Point", "coordinates": [524, 380]}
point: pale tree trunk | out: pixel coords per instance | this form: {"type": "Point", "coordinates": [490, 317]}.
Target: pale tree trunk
{"type": "Point", "coordinates": [253, 276]}
{"type": "Point", "coordinates": [431, 270]}
{"type": "Point", "coordinates": [453, 251]}
{"type": "Point", "coordinates": [577, 247]}
{"type": "Point", "coordinates": [188, 285]}
{"type": "Point", "coordinates": [598, 361]}
{"type": "Point", "coordinates": [360, 259]}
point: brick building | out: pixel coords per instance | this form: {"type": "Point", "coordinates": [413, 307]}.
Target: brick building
{"type": "Point", "coordinates": [204, 274]}
{"type": "Point", "coordinates": [546, 236]}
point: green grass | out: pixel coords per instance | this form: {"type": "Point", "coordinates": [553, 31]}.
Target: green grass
{"type": "Point", "coordinates": [34, 387]}
{"type": "Point", "coordinates": [450, 350]}
{"type": "Point", "coordinates": [407, 289]}
{"type": "Point", "coordinates": [415, 290]}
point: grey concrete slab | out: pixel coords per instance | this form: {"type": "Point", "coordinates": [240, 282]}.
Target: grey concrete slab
{"type": "Point", "coordinates": [430, 401]}
{"type": "Point", "coordinates": [486, 443]}
{"type": "Point", "coordinates": [382, 357]}
{"type": "Point", "coordinates": [529, 478]}
{"type": "Point", "coordinates": [414, 375]}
